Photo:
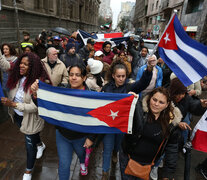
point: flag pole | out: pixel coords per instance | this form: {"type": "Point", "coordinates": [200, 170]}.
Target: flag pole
{"type": "Point", "coordinates": [155, 48]}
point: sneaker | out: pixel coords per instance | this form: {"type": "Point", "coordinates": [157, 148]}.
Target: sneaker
{"type": "Point", "coordinates": [40, 150]}
{"type": "Point", "coordinates": [105, 175]}
{"type": "Point", "coordinates": [154, 173]}
{"type": "Point", "coordinates": [27, 176]}
{"type": "Point", "coordinates": [84, 172]}
{"type": "Point", "coordinates": [87, 158]}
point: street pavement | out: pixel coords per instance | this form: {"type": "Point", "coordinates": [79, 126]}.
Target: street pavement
{"type": "Point", "coordinates": [13, 158]}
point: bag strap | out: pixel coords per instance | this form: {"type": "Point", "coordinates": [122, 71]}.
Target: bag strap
{"type": "Point", "coordinates": [158, 150]}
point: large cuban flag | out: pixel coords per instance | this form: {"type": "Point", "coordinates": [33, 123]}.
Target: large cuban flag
{"type": "Point", "coordinates": [86, 111]}
{"type": "Point", "coordinates": [114, 38]}
{"type": "Point", "coordinates": [186, 57]}
{"type": "Point", "coordinates": [199, 134]}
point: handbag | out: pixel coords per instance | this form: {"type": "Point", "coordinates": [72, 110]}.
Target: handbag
{"type": "Point", "coordinates": [142, 171]}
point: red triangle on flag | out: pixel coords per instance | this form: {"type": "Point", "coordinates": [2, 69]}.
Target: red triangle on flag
{"type": "Point", "coordinates": [168, 40]}
{"type": "Point", "coordinates": [115, 114]}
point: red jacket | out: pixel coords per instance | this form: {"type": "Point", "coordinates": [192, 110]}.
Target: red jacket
{"type": "Point", "coordinates": [109, 58]}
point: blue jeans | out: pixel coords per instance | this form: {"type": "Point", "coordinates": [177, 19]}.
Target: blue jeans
{"type": "Point", "coordinates": [31, 142]}
{"type": "Point", "coordinates": [65, 148]}
{"type": "Point", "coordinates": [108, 143]}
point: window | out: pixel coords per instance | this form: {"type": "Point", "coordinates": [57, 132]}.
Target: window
{"type": "Point", "coordinates": [152, 7]}
{"type": "Point", "coordinates": [150, 21]}
{"type": "Point", "coordinates": [157, 5]}
{"type": "Point", "coordinates": [194, 6]}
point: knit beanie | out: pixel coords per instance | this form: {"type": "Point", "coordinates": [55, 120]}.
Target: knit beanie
{"type": "Point", "coordinates": [177, 87]}
{"type": "Point", "coordinates": [95, 66]}
{"type": "Point", "coordinates": [69, 46]}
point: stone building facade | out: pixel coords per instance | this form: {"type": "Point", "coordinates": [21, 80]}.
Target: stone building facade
{"type": "Point", "coordinates": [149, 13]}
{"type": "Point", "coordinates": [36, 15]}
{"type": "Point", "coordinates": [194, 19]}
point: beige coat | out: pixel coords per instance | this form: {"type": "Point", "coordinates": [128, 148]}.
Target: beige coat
{"type": "Point", "coordinates": [58, 74]}
{"type": "Point", "coordinates": [31, 123]}
{"type": "Point", "coordinates": [91, 82]}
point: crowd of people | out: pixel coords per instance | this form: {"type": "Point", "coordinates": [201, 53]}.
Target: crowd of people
{"type": "Point", "coordinates": [162, 113]}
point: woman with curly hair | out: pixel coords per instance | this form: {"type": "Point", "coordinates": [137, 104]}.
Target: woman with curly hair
{"type": "Point", "coordinates": [10, 54]}
{"type": "Point", "coordinates": [155, 119]}
{"type": "Point", "coordinates": [119, 84]}
{"type": "Point", "coordinates": [22, 105]}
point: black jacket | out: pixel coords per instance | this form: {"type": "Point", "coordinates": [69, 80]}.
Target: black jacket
{"type": "Point", "coordinates": [71, 135]}
{"type": "Point", "coordinates": [131, 141]}
{"type": "Point", "coordinates": [71, 59]}
{"type": "Point", "coordinates": [190, 104]}
{"type": "Point", "coordinates": [84, 54]}
{"type": "Point", "coordinates": [136, 87]}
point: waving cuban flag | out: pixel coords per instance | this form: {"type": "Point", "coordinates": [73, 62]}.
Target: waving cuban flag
{"type": "Point", "coordinates": [115, 38]}
{"type": "Point", "coordinates": [186, 57]}
{"type": "Point", "coordinates": [86, 111]}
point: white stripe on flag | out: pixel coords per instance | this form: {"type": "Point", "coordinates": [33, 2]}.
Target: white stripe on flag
{"type": "Point", "coordinates": [71, 100]}
{"type": "Point", "coordinates": [76, 119]}
{"type": "Point", "coordinates": [100, 36]}
{"type": "Point", "coordinates": [184, 66]}
{"type": "Point", "coordinates": [131, 115]}
{"type": "Point", "coordinates": [193, 52]}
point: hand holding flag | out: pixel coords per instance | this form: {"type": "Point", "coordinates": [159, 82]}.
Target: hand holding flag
{"type": "Point", "coordinates": [86, 111]}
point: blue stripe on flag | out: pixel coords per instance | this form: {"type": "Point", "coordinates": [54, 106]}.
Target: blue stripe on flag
{"type": "Point", "coordinates": [83, 129]}
{"type": "Point", "coordinates": [52, 106]}
{"type": "Point", "coordinates": [87, 35]}
{"type": "Point", "coordinates": [186, 39]}
{"type": "Point", "coordinates": [83, 94]}
{"type": "Point", "coordinates": [194, 63]}
{"type": "Point", "coordinates": [175, 68]}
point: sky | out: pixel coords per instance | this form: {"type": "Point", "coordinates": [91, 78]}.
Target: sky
{"type": "Point", "coordinates": [116, 8]}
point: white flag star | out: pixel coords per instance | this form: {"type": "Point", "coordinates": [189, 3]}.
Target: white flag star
{"type": "Point", "coordinates": [166, 38]}
{"type": "Point", "coordinates": [113, 114]}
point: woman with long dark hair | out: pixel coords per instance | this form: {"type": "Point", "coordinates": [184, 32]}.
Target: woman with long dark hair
{"type": "Point", "coordinates": [155, 120]}
{"type": "Point", "coordinates": [22, 106]}
{"type": "Point", "coordinates": [67, 140]}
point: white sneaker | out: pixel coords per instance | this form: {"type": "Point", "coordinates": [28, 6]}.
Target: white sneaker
{"type": "Point", "coordinates": [27, 176]}
{"type": "Point", "coordinates": [40, 150]}
{"type": "Point", "coordinates": [154, 173]}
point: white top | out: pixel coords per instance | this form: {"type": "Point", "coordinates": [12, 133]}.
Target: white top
{"type": "Point", "coordinates": [19, 95]}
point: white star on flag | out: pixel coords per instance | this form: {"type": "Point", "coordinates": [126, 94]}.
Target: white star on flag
{"type": "Point", "coordinates": [113, 114]}
{"type": "Point", "coordinates": [167, 38]}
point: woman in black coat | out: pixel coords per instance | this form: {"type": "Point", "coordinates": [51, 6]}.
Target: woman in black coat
{"type": "Point", "coordinates": [155, 118]}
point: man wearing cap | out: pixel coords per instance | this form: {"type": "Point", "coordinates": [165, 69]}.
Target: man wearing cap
{"type": "Point", "coordinates": [106, 67]}
{"type": "Point", "coordinates": [87, 51]}
{"type": "Point", "coordinates": [27, 41]}
{"type": "Point", "coordinates": [71, 57]}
